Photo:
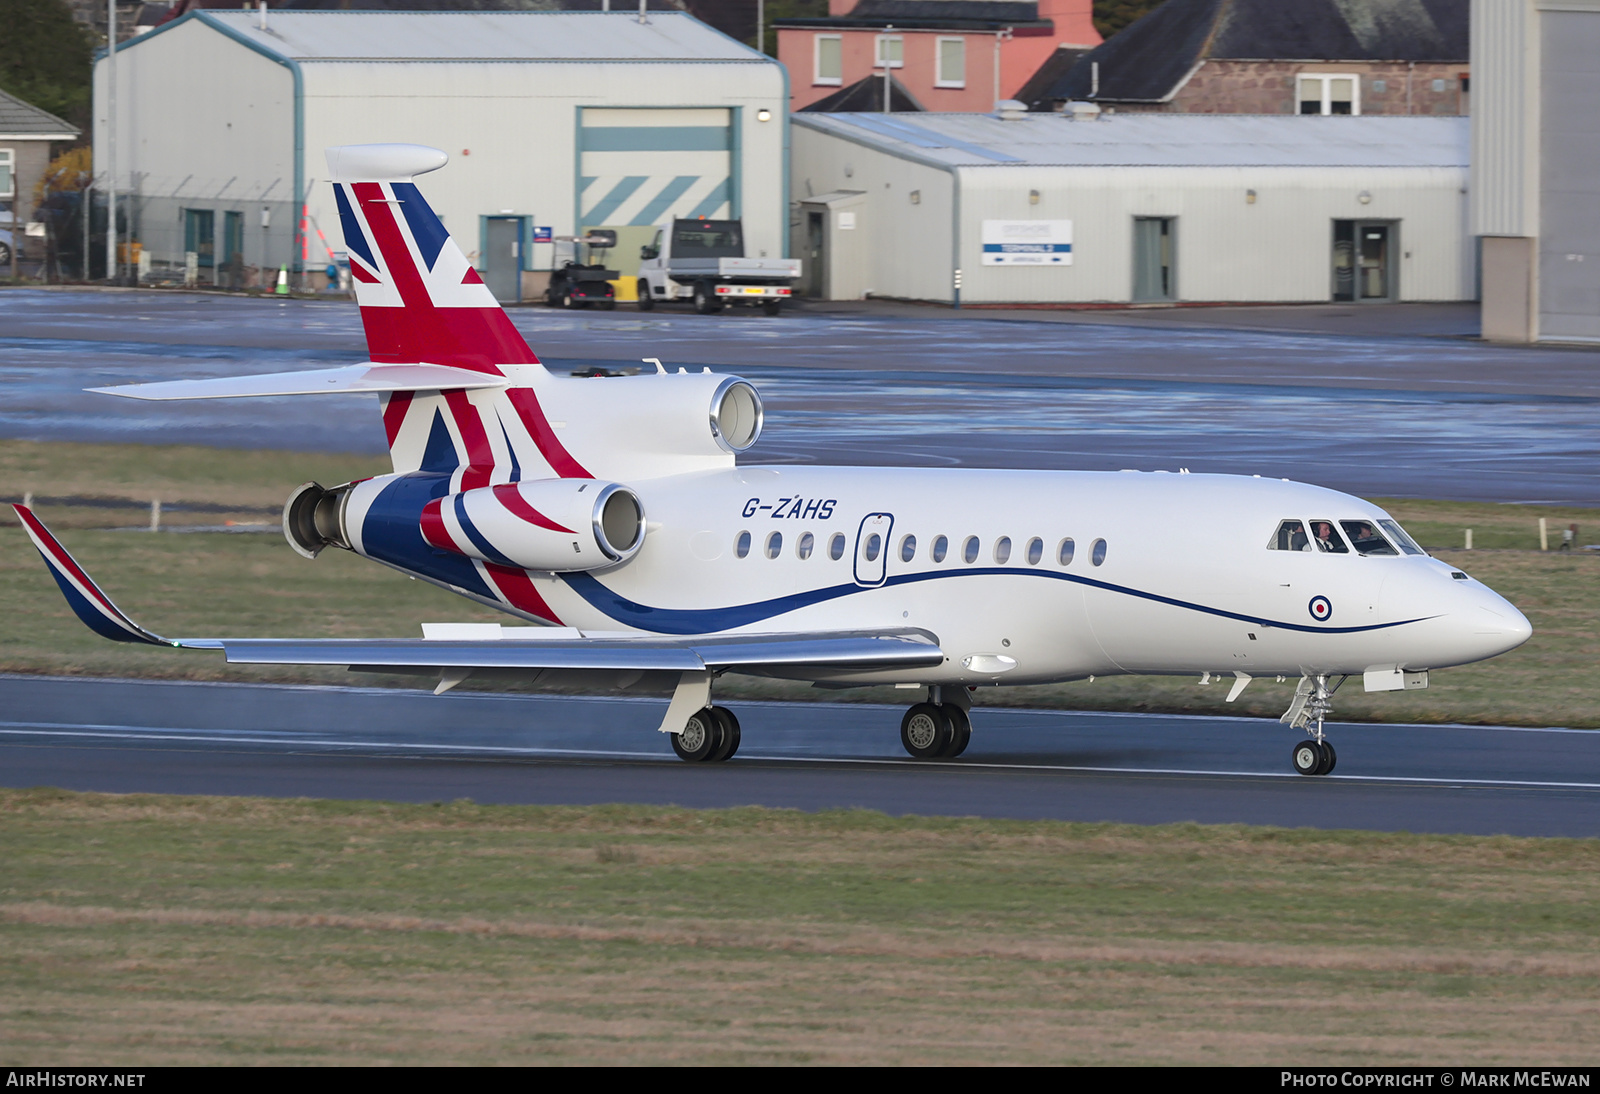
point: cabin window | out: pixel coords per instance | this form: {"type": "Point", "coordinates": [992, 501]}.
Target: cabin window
{"type": "Point", "coordinates": [741, 546]}
{"type": "Point", "coordinates": [774, 544]}
{"type": "Point", "coordinates": [1035, 551]}
{"type": "Point", "coordinates": [1064, 551]}
{"type": "Point", "coordinates": [1097, 555]}
{"type": "Point", "coordinates": [941, 547]}
{"type": "Point", "coordinates": [1398, 534]}
{"type": "Point", "coordinates": [1366, 538]}
{"type": "Point", "coordinates": [969, 550]}
{"type": "Point", "coordinates": [1291, 536]}
{"type": "Point", "coordinates": [908, 548]}
{"type": "Point", "coordinates": [1002, 550]}
{"type": "Point", "coordinates": [871, 549]}
{"type": "Point", "coordinates": [806, 544]}
{"type": "Point", "coordinates": [836, 546]}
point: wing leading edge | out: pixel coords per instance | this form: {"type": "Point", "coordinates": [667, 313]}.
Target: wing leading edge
{"type": "Point", "coordinates": [502, 648]}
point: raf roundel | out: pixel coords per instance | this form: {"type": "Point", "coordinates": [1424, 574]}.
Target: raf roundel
{"type": "Point", "coordinates": [1321, 609]}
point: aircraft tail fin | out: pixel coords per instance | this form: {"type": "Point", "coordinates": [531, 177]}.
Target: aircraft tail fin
{"type": "Point", "coordinates": [420, 299]}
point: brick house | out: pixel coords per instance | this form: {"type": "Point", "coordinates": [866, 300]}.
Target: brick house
{"type": "Point", "coordinates": [1273, 57]}
{"type": "Point", "coordinates": [948, 55]}
{"type": "Point", "coordinates": [28, 141]}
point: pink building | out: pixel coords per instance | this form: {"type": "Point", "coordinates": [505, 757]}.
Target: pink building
{"type": "Point", "coordinates": [948, 55]}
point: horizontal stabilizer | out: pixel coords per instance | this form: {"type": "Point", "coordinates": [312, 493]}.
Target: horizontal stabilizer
{"type": "Point", "coordinates": [349, 380]}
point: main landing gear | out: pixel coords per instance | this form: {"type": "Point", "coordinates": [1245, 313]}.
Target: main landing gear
{"type": "Point", "coordinates": [711, 735]}
{"type": "Point", "coordinates": [937, 729]}
{"type": "Point", "coordinates": [1313, 702]}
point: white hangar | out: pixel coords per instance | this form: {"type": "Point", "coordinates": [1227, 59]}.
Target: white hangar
{"type": "Point", "coordinates": [1117, 208]}
{"type": "Point", "coordinates": [559, 120]}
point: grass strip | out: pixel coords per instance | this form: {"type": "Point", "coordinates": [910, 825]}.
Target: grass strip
{"type": "Point", "coordinates": [165, 930]}
{"type": "Point", "coordinates": [254, 586]}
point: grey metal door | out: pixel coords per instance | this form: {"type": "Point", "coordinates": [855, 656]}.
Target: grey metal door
{"type": "Point", "coordinates": [502, 255]}
{"type": "Point", "coordinates": [1153, 268]}
{"type": "Point", "coordinates": [814, 262]}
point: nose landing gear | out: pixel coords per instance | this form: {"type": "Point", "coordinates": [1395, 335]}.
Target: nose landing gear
{"type": "Point", "coordinates": [938, 729]}
{"type": "Point", "coordinates": [1313, 701]}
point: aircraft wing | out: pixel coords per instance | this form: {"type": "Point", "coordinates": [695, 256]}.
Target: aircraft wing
{"type": "Point", "coordinates": [491, 646]}
{"type": "Point", "coordinates": [349, 380]}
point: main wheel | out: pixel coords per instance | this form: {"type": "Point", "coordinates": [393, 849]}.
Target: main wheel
{"type": "Point", "coordinates": [1307, 758]}
{"type": "Point", "coordinates": [925, 731]}
{"type": "Point", "coordinates": [700, 739]}
{"type": "Point", "coordinates": [1330, 758]}
{"type": "Point", "coordinates": [960, 731]}
{"type": "Point", "coordinates": [646, 301]}
{"type": "Point", "coordinates": [730, 734]}
{"type": "Point", "coordinates": [705, 301]}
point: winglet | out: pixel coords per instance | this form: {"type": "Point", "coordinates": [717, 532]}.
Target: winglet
{"type": "Point", "coordinates": [83, 595]}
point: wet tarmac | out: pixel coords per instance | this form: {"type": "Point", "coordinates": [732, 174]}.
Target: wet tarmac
{"type": "Point", "coordinates": [1375, 402]}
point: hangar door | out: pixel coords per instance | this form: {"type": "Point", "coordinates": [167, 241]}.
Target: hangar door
{"type": "Point", "coordinates": [639, 167]}
{"type": "Point", "coordinates": [1569, 247]}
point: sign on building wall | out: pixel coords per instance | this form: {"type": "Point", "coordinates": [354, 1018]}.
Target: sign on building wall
{"type": "Point", "coordinates": [1027, 243]}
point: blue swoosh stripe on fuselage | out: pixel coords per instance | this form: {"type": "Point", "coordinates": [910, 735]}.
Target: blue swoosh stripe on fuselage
{"type": "Point", "coordinates": [711, 620]}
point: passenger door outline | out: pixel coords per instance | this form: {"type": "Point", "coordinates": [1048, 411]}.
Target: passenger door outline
{"type": "Point", "coordinates": [874, 572]}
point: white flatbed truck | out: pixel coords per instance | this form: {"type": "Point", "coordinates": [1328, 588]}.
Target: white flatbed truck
{"type": "Point", "coordinates": [703, 261]}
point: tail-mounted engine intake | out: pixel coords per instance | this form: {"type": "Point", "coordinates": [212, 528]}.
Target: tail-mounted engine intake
{"type": "Point", "coordinates": [313, 518]}
{"type": "Point", "coordinates": [560, 525]}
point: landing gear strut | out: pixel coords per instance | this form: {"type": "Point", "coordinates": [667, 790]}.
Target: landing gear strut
{"type": "Point", "coordinates": [1313, 702]}
{"type": "Point", "coordinates": [711, 735]}
{"type": "Point", "coordinates": [938, 729]}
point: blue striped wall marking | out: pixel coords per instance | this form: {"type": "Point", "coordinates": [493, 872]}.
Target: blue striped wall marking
{"type": "Point", "coordinates": [711, 620]}
{"type": "Point", "coordinates": [656, 138]}
{"type": "Point", "coordinates": [659, 204]}
{"type": "Point", "coordinates": [601, 211]}
{"type": "Point", "coordinates": [719, 196]}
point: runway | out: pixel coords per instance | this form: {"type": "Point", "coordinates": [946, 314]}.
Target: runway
{"type": "Point", "coordinates": [126, 736]}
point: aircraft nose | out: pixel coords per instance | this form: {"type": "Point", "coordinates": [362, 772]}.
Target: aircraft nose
{"type": "Point", "coordinates": [1500, 625]}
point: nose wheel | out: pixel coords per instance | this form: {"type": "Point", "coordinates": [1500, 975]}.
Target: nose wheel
{"type": "Point", "coordinates": [1314, 758]}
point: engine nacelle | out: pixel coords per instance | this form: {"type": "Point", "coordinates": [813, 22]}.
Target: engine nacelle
{"type": "Point", "coordinates": [560, 525]}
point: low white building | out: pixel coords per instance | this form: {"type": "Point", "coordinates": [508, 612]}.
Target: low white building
{"type": "Point", "coordinates": [558, 120]}
{"type": "Point", "coordinates": [1050, 208]}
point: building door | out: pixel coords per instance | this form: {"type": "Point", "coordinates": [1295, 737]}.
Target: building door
{"type": "Point", "coordinates": [1363, 260]}
{"type": "Point", "coordinates": [814, 262]}
{"type": "Point", "coordinates": [232, 258]}
{"type": "Point", "coordinates": [1154, 271]}
{"type": "Point", "coordinates": [200, 236]}
{"type": "Point", "coordinates": [502, 258]}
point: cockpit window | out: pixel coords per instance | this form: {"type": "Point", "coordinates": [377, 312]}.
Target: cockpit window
{"type": "Point", "coordinates": [1365, 538]}
{"type": "Point", "coordinates": [1291, 536]}
{"type": "Point", "coordinates": [1326, 538]}
{"type": "Point", "coordinates": [1403, 541]}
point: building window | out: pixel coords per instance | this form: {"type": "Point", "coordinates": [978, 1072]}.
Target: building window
{"type": "Point", "coordinates": [7, 186]}
{"type": "Point", "coordinates": [891, 51]}
{"type": "Point", "coordinates": [952, 63]}
{"type": "Point", "coordinates": [830, 60]}
{"type": "Point", "coordinates": [1330, 95]}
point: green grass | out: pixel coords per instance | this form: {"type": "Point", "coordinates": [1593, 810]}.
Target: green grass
{"type": "Point", "coordinates": [253, 585]}
{"type": "Point", "coordinates": [155, 930]}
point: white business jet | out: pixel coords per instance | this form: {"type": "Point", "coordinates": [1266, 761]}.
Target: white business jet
{"type": "Point", "coordinates": [612, 518]}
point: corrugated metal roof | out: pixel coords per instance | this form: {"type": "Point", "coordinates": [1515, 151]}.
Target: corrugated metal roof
{"type": "Point", "coordinates": [20, 119]}
{"type": "Point", "coordinates": [1158, 140]}
{"type": "Point", "coordinates": [485, 36]}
